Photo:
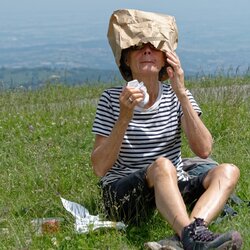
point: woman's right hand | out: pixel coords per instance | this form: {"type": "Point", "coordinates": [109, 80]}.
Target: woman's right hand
{"type": "Point", "coordinates": [129, 98]}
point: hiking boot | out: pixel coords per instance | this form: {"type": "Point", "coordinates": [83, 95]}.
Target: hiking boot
{"type": "Point", "coordinates": [197, 236]}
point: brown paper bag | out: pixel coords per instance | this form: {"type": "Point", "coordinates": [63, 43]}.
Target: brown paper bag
{"type": "Point", "coordinates": [129, 27]}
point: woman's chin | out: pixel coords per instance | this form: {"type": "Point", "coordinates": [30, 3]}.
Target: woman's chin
{"type": "Point", "coordinates": [149, 73]}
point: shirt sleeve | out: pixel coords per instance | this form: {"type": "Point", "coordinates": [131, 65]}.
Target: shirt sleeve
{"type": "Point", "coordinates": [104, 118]}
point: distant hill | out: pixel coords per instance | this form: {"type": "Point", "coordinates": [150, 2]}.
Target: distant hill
{"type": "Point", "coordinates": [31, 78]}
{"type": "Point", "coordinates": [57, 54]}
{"type": "Point", "coordinates": [31, 64]}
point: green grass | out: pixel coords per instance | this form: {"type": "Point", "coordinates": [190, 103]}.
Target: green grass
{"type": "Point", "coordinates": [45, 148]}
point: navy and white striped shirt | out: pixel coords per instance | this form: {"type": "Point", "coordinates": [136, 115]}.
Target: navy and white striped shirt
{"type": "Point", "coordinates": [152, 132]}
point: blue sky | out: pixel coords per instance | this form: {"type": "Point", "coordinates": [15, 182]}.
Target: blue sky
{"type": "Point", "coordinates": [213, 12]}
{"type": "Point", "coordinates": [222, 11]}
{"type": "Point", "coordinates": [212, 26]}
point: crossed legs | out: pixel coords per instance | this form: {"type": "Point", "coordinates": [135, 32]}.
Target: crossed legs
{"type": "Point", "coordinates": [219, 184]}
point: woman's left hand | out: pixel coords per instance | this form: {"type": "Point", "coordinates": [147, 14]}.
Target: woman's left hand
{"type": "Point", "coordinates": [175, 73]}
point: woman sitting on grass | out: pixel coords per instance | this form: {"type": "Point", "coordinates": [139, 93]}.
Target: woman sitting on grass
{"type": "Point", "coordinates": [137, 150]}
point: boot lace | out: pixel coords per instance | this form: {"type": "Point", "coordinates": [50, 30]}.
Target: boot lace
{"type": "Point", "coordinates": [199, 231]}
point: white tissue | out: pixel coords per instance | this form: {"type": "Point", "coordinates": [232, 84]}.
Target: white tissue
{"type": "Point", "coordinates": [141, 86]}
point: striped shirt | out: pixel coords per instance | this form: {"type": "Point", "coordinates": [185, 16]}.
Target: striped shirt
{"type": "Point", "coordinates": [152, 133]}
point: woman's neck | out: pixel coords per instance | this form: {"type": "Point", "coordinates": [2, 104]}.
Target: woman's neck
{"type": "Point", "coordinates": [153, 90]}
{"type": "Point", "coordinates": [152, 84]}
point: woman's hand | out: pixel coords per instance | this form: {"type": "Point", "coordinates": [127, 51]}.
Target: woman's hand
{"type": "Point", "coordinates": [175, 73]}
{"type": "Point", "coordinates": [129, 98]}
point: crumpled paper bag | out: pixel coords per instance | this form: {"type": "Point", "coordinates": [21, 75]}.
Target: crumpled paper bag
{"type": "Point", "coordinates": [84, 221]}
{"type": "Point", "coordinates": [128, 27]}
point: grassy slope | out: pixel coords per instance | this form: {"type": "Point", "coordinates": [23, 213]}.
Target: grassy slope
{"type": "Point", "coordinates": [45, 147]}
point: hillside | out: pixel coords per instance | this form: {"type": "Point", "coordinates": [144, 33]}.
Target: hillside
{"type": "Point", "coordinates": [31, 78]}
{"type": "Point", "coordinates": [46, 142]}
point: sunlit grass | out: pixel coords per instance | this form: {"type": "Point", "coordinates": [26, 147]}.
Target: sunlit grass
{"type": "Point", "coordinates": [45, 148]}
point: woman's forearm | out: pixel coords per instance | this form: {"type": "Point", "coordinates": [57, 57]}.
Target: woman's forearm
{"type": "Point", "coordinates": [199, 137]}
{"type": "Point", "coordinates": [106, 152]}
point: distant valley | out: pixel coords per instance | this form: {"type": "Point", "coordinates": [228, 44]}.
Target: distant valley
{"type": "Point", "coordinates": [31, 55]}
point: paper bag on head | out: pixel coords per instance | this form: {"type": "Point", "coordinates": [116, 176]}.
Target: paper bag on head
{"type": "Point", "coordinates": [129, 27]}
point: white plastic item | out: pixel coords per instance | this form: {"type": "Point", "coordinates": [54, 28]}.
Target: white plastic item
{"type": "Point", "coordinates": [85, 222]}
{"type": "Point", "coordinates": [141, 86]}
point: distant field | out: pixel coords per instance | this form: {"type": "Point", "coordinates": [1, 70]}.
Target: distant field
{"type": "Point", "coordinates": [38, 77]}
{"type": "Point", "coordinates": [45, 148]}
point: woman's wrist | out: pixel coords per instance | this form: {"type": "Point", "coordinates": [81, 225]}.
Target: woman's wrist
{"type": "Point", "coordinates": [181, 95]}
{"type": "Point", "coordinates": [122, 122]}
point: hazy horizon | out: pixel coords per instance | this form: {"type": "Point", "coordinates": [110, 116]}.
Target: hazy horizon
{"type": "Point", "coordinates": [214, 28]}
